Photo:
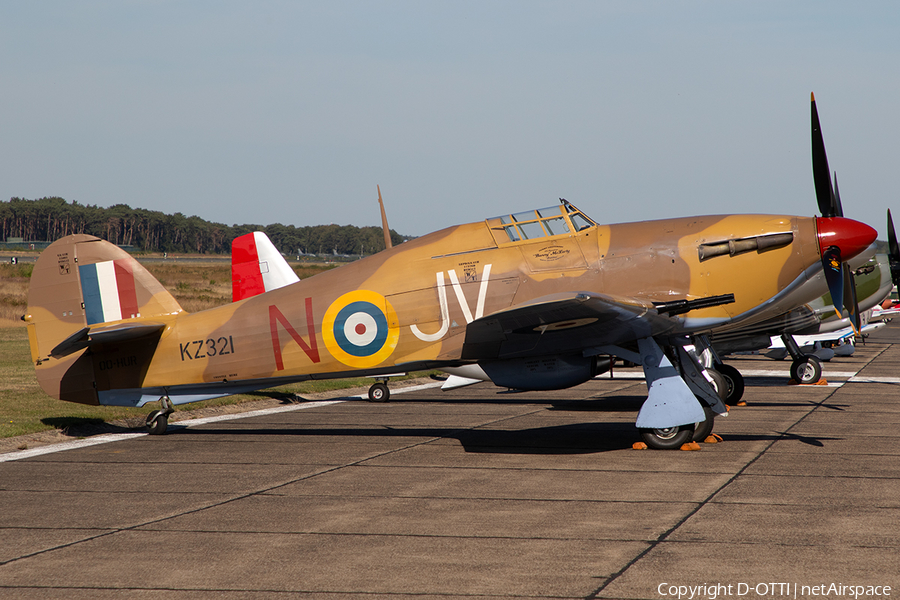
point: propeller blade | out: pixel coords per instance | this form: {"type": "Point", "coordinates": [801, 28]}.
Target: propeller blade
{"type": "Point", "coordinates": [852, 302]}
{"type": "Point", "coordinates": [821, 172]}
{"type": "Point", "coordinates": [839, 210]}
{"type": "Point", "coordinates": [893, 251]}
{"type": "Point", "coordinates": [834, 277]}
{"type": "Point", "coordinates": [892, 237]}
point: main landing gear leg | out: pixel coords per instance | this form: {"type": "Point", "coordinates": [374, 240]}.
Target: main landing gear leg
{"type": "Point", "coordinates": [158, 420]}
{"type": "Point", "coordinates": [708, 385]}
{"type": "Point", "coordinates": [734, 381]}
{"type": "Point", "coordinates": [806, 368]}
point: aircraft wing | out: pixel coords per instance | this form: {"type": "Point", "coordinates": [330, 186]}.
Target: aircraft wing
{"type": "Point", "coordinates": [561, 323]}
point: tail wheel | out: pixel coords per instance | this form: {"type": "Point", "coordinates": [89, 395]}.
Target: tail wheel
{"type": "Point", "coordinates": [670, 438]}
{"type": "Point", "coordinates": [157, 422]}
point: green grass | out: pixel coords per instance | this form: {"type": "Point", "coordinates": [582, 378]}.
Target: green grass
{"type": "Point", "coordinates": [25, 408]}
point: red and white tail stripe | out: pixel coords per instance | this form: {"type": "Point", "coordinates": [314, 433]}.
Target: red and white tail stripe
{"type": "Point", "coordinates": [257, 266]}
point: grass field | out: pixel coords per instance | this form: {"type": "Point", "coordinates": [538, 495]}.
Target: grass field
{"type": "Point", "coordinates": [25, 408]}
{"type": "Point", "coordinates": [13, 293]}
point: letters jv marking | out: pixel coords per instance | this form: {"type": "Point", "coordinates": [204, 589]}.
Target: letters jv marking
{"type": "Point", "coordinates": [461, 298]}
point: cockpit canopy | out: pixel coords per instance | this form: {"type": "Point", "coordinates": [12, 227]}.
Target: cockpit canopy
{"type": "Point", "coordinates": [563, 219]}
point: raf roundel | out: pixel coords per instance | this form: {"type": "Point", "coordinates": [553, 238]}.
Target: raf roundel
{"type": "Point", "coordinates": [360, 329]}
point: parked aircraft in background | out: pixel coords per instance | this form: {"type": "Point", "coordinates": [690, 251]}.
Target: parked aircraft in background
{"type": "Point", "coordinates": [257, 266]}
{"type": "Point", "coordinates": [534, 298]}
{"type": "Point", "coordinates": [803, 331]}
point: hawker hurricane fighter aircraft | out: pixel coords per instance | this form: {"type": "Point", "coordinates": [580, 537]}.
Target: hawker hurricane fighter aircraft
{"type": "Point", "coordinates": [533, 298]}
{"type": "Point", "coordinates": [258, 267]}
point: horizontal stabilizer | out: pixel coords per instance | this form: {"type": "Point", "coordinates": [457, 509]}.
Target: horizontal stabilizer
{"type": "Point", "coordinates": [89, 336]}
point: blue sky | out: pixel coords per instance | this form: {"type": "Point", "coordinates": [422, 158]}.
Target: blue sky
{"type": "Point", "coordinates": [292, 112]}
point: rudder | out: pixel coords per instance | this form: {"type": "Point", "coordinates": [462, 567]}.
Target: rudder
{"type": "Point", "coordinates": [79, 285]}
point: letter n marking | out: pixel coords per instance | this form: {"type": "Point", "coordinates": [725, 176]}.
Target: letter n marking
{"type": "Point", "coordinates": [311, 349]}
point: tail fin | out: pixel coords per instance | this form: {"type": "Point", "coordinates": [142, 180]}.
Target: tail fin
{"type": "Point", "coordinates": [85, 292]}
{"type": "Point", "coordinates": [257, 266]}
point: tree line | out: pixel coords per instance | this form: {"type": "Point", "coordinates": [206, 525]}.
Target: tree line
{"type": "Point", "coordinates": [48, 219]}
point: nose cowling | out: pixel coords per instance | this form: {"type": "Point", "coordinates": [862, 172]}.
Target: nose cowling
{"type": "Point", "coordinates": [849, 236]}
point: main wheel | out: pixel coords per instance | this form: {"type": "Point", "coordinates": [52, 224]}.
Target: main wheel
{"type": "Point", "coordinates": [670, 438]}
{"type": "Point", "coordinates": [704, 428]}
{"type": "Point", "coordinates": [379, 392]}
{"type": "Point", "coordinates": [806, 369]}
{"type": "Point", "coordinates": [734, 384]}
{"type": "Point", "coordinates": [157, 422]}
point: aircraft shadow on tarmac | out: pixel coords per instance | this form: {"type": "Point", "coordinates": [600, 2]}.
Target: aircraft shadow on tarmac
{"type": "Point", "coordinates": [575, 438]}
{"type": "Point", "coordinates": [581, 438]}
{"type": "Point", "coordinates": [578, 438]}
{"type": "Point", "coordinates": [802, 403]}
{"type": "Point", "coordinates": [77, 427]}
{"type": "Point", "coordinates": [817, 441]}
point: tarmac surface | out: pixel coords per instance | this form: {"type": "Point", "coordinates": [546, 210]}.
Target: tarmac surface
{"type": "Point", "coordinates": [480, 493]}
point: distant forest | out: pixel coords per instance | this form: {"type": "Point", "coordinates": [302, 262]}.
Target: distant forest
{"type": "Point", "coordinates": [48, 219]}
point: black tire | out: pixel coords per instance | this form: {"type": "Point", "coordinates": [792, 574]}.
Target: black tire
{"type": "Point", "coordinates": [704, 428]}
{"type": "Point", "coordinates": [157, 422]}
{"type": "Point", "coordinates": [806, 369]}
{"type": "Point", "coordinates": [734, 384]}
{"type": "Point", "coordinates": [671, 438]}
{"type": "Point", "coordinates": [379, 392]}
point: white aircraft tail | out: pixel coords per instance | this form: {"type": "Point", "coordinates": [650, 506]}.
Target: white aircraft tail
{"type": "Point", "coordinates": [257, 266]}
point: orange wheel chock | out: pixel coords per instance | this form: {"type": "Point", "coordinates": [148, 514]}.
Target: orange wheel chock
{"type": "Point", "coordinates": [819, 382]}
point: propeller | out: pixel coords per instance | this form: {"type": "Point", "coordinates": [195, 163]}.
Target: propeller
{"type": "Point", "coordinates": [840, 239]}
{"type": "Point", "coordinates": [893, 251]}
